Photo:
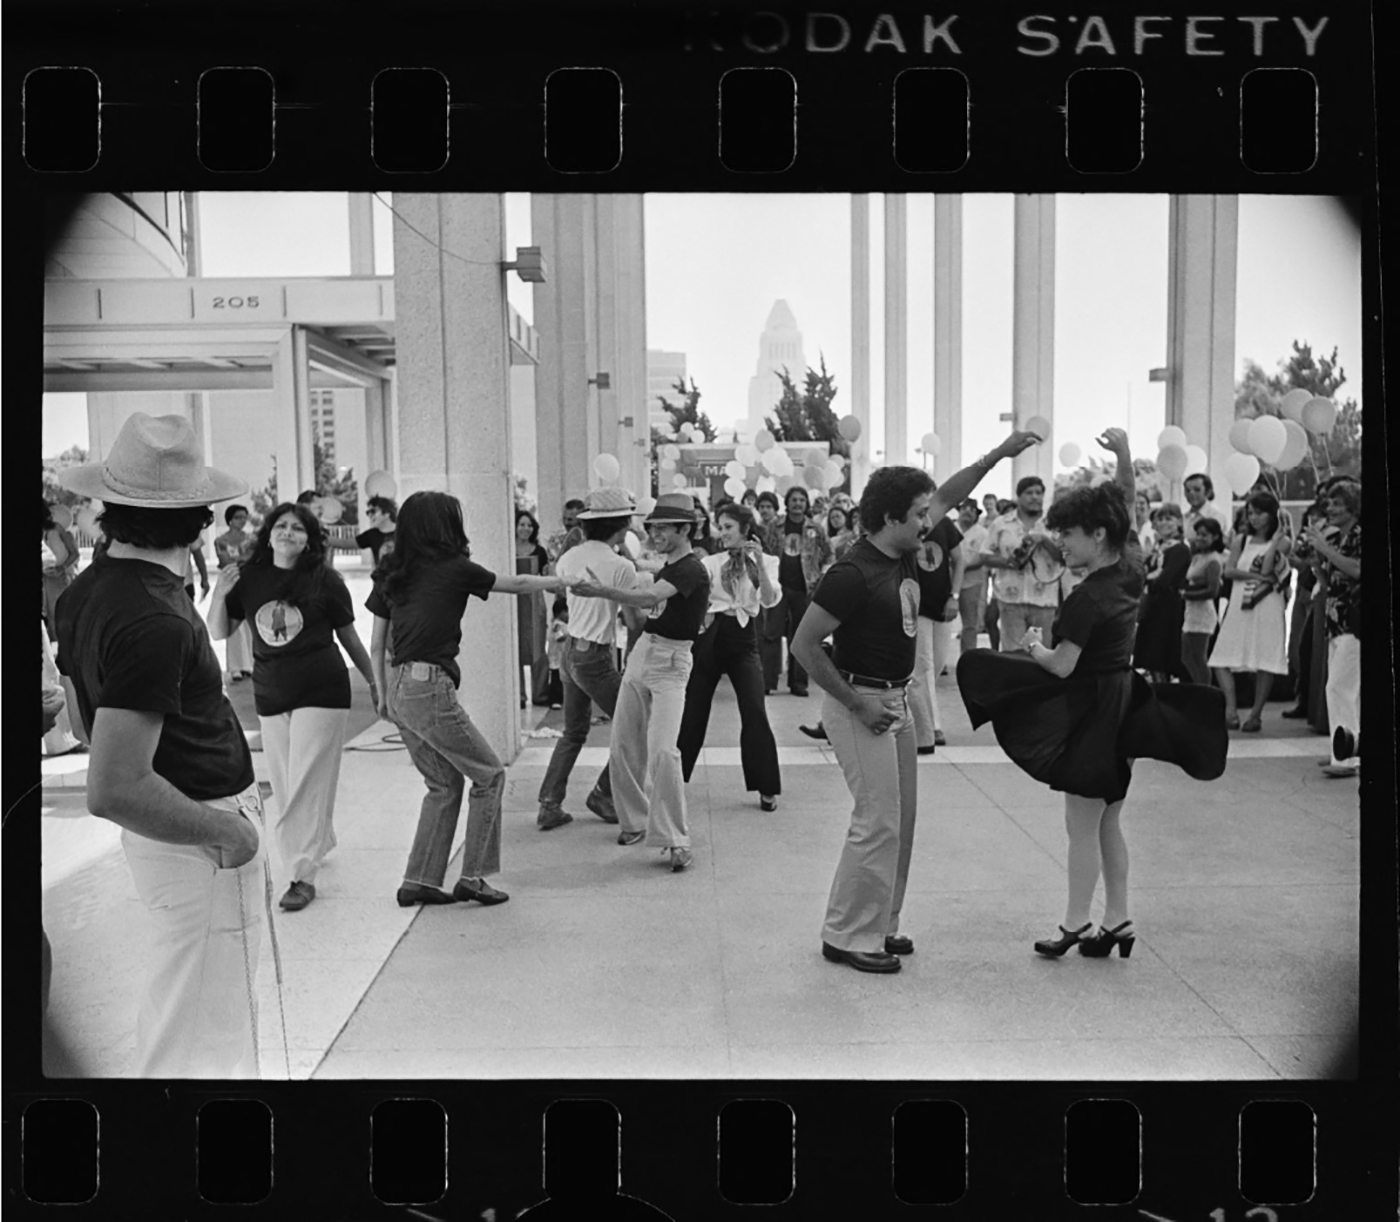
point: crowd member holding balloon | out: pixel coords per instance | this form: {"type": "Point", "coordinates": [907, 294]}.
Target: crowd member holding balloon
{"type": "Point", "coordinates": [297, 606]}
{"type": "Point", "coordinates": [743, 580]}
{"type": "Point", "coordinates": [868, 604]}
{"type": "Point", "coordinates": [1023, 600]}
{"type": "Point", "coordinates": [1338, 552]}
{"type": "Point", "coordinates": [1252, 634]}
{"type": "Point", "coordinates": [1158, 649]}
{"type": "Point", "coordinates": [1202, 589]}
{"type": "Point", "coordinates": [234, 547]}
{"type": "Point", "coordinates": [804, 552]}
{"type": "Point", "coordinates": [1075, 716]}
{"type": "Point", "coordinates": [645, 759]}
{"type": "Point", "coordinates": [588, 660]}
{"type": "Point", "coordinates": [420, 596]}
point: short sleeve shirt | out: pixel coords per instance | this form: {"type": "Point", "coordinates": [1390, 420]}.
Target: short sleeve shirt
{"type": "Point", "coordinates": [790, 558]}
{"type": "Point", "coordinates": [876, 598]}
{"type": "Point", "coordinates": [129, 638]}
{"type": "Point", "coordinates": [1100, 616]}
{"type": "Point", "coordinates": [679, 617]}
{"type": "Point", "coordinates": [425, 617]}
{"type": "Point", "coordinates": [1018, 586]}
{"type": "Point", "coordinates": [972, 547]}
{"type": "Point", "coordinates": [1343, 592]}
{"type": "Point", "coordinates": [377, 541]}
{"type": "Point", "coordinates": [935, 561]}
{"type": "Point", "coordinates": [296, 661]}
{"type": "Point", "coordinates": [595, 619]}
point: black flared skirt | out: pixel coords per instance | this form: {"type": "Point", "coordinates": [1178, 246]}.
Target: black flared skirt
{"type": "Point", "coordinates": [1078, 735]}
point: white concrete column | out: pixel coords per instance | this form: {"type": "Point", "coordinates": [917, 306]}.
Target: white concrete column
{"type": "Point", "coordinates": [593, 412]}
{"type": "Point", "coordinates": [897, 445]}
{"type": "Point", "coordinates": [1204, 235]}
{"type": "Point", "coordinates": [561, 378]}
{"type": "Point", "coordinates": [630, 375]}
{"type": "Point", "coordinates": [1033, 331]}
{"type": "Point", "coordinates": [947, 333]}
{"type": "Point", "coordinates": [604, 312]}
{"type": "Point", "coordinates": [454, 416]}
{"type": "Point", "coordinates": [860, 340]}
{"type": "Point", "coordinates": [291, 390]}
{"type": "Point", "coordinates": [361, 205]}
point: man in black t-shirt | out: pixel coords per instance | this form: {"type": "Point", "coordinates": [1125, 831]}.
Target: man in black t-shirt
{"type": "Point", "coordinates": [804, 551]}
{"type": "Point", "coordinates": [868, 602]}
{"type": "Point", "coordinates": [383, 515]}
{"type": "Point", "coordinates": [648, 785]}
{"type": "Point", "coordinates": [940, 562]}
{"type": "Point", "coordinates": [169, 761]}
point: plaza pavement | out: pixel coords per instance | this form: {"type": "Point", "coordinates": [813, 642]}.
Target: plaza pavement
{"type": "Point", "coordinates": [604, 964]}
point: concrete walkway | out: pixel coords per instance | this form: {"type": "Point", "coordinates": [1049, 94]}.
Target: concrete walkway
{"type": "Point", "coordinates": [604, 964]}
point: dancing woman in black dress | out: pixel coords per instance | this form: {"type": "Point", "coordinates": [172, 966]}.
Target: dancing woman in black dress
{"type": "Point", "coordinates": [1077, 715]}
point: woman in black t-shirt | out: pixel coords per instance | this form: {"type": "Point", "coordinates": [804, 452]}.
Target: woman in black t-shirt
{"type": "Point", "coordinates": [1076, 716]}
{"type": "Point", "coordinates": [297, 606]}
{"type": "Point", "coordinates": [420, 594]}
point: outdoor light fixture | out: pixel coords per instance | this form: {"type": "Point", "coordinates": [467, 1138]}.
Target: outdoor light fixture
{"type": "Point", "coordinates": [529, 265]}
{"type": "Point", "coordinates": [603, 381]}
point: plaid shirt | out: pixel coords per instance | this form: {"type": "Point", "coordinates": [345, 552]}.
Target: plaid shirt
{"type": "Point", "coordinates": [816, 553]}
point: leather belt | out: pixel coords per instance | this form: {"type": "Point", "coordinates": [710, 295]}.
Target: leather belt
{"type": "Point", "coordinates": [884, 685]}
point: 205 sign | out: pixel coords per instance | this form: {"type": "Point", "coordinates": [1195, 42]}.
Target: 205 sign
{"type": "Point", "coordinates": [235, 303]}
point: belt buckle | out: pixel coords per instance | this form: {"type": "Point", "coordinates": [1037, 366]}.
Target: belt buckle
{"type": "Point", "coordinates": [420, 671]}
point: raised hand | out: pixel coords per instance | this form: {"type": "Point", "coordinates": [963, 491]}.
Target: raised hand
{"type": "Point", "coordinates": [1017, 441]}
{"type": "Point", "coordinates": [1115, 441]}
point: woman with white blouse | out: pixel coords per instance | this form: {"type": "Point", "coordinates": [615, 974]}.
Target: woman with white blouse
{"type": "Point", "coordinates": [743, 581]}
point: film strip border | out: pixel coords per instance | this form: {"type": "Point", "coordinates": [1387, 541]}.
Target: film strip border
{"type": "Point", "coordinates": [590, 97]}
{"type": "Point", "coordinates": [816, 1150]}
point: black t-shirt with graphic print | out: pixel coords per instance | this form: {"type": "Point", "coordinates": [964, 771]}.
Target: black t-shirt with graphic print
{"type": "Point", "coordinates": [790, 575]}
{"type": "Point", "coordinates": [876, 598]}
{"type": "Point", "coordinates": [296, 661]}
{"type": "Point", "coordinates": [129, 638]}
{"type": "Point", "coordinates": [935, 560]}
{"type": "Point", "coordinates": [680, 616]}
{"type": "Point", "coordinates": [425, 618]}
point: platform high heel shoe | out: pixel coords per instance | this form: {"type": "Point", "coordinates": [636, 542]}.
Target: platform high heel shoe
{"type": "Point", "coordinates": [1054, 949]}
{"type": "Point", "coordinates": [1101, 945]}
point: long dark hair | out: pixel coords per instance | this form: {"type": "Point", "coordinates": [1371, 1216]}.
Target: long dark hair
{"type": "Point", "coordinates": [430, 530]}
{"type": "Point", "coordinates": [1262, 502]}
{"type": "Point", "coordinates": [1103, 505]}
{"type": "Point", "coordinates": [534, 524]}
{"type": "Point", "coordinates": [310, 567]}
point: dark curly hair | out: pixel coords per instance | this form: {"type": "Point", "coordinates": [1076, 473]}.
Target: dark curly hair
{"type": "Point", "coordinates": [768, 498]}
{"type": "Point", "coordinates": [1104, 505]}
{"type": "Point", "coordinates": [310, 567]}
{"type": "Point", "coordinates": [155, 529]}
{"type": "Point", "coordinates": [430, 530]}
{"type": "Point", "coordinates": [889, 493]}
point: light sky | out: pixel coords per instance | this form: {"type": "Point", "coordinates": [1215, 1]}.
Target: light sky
{"type": "Point", "coordinates": [716, 263]}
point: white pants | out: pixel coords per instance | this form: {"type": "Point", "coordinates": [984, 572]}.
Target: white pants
{"type": "Point", "coordinates": [238, 650]}
{"type": "Point", "coordinates": [199, 1016]}
{"type": "Point", "coordinates": [648, 784]}
{"type": "Point", "coordinates": [303, 763]}
{"type": "Point", "coordinates": [930, 657]}
{"type": "Point", "coordinates": [1344, 685]}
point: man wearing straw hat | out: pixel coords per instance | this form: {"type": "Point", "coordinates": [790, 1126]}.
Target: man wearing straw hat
{"type": "Point", "coordinates": [169, 761]}
{"type": "Point", "coordinates": [589, 668]}
{"type": "Point", "coordinates": [645, 763]}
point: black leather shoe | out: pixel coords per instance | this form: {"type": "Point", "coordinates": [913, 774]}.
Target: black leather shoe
{"type": "Point", "coordinates": [862, 961]}
{"type": "Point", "coordinates": [1343, 743]}
{"type": "Point", "coordinates": [482, 893]}
{"type": "Point", "coordinates": [1296, 713]}
{"type": "Point", "coordinates": [929, 750]}
{"type": "Point", "coordinates": [818, 731]}
{"type": "Point", "coordinates": [898, 944]}
{"type": "Point", "coordinates": [798, 691]}
{"type": "Point", "coordinates": [410, 895]}
{"type": "Point", "coordinates": [1054, 948]}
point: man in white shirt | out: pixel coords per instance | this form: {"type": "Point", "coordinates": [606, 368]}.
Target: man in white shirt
{"type": "Point", "coordinates": [589, 665]}
{"type": "Point", "coordinates": [1200, 497]}
{"type": "Point", "coordinates": [972, 594]}
{"type": "Point", "coordinates": [1024, 602]}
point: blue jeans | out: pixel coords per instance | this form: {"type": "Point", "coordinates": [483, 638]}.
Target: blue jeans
{"type": "Point", "coordinates": [590, 675]}
{"type": "Point", "coordinates": [447, 749]}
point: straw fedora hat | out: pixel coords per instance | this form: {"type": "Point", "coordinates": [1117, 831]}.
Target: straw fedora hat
{"type": "Point", "coordinates": [608, 503]}
{"type": "Point", "coordinates": [156, 462]}
{"type": "Point", "coordinates": [673, 507]}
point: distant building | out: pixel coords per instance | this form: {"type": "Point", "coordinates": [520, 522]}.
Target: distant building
{"type": "Point", "coordinates": [663, 371]}
{"type": "Point", "coordinates": [779, 346]}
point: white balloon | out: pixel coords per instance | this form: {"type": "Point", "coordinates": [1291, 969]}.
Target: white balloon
{"type": "Point", "coordinates": [747, 454]}
{"type": "Point", "coordinates": [1296, 447]}
{"type": "Point", "coordinates": [607, 468]}
{"type": "Point", "coordinates": [765, 483]}
{"type": "Point", "coordinates": [1319, 415]}
{"type": "Point", "coordinates": [1241, 470]}
{"type": "Point", "coordinates": [645, 505]}
{"type": "Point", "coordinates": [835, 473]}
{"type": "Point", "coordinates": [734, 486]}
{"type": "Point", "coordinates": [685, 430]}
{"type": "Point", "coordinates": [1196, 460]}
{"type": "Point", "coordinates": [1291, 405]}
{"type": "Point", "coordinates": [930, 443]}
{"type": "Point", "coordinates": [1171, 461]}
{"type": "Point", "coordinates": [768, 459]}
{"type": "Point", "coordinates": [673, 452]}
{"type": "Point", "coordinates": [1038, 425]}
{"type": "Point", "coordinates": [1267, 437]}
{"type": "Point", "coordinates": [1172, 435]}
{"type": "Point", "coordinates": [1070, 454]}
{"type": "Point", "coordinates": [678, 480]}
{"type": "Point", "coordinates": [782, 463]}
{"type": "Point", "coordinates": [763, 441]}
{"type": "Point", "coordinates": [1239, 435]}
{"type": "Point", "coordinates": [329, 510]}
{"type": "Point", "coordinates": [380, 483]}
{"type": "Point", "coordinates": [734, 469]}
{"type": "Point", "coordinates": [667, 464]}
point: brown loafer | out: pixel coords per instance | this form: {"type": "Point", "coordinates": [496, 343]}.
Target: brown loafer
{"type": "Point", "coordinates": [409, 894]}
{"type": "Point", "coordinates": [298, 895]}
{"type": "Point", "coordinates": [862, 961]}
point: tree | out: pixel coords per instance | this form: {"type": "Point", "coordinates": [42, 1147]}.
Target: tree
{"type": "Point", "coordinates": [54, 492]}
{"type": "Point", "coordinates": [688, 410]}
{"type": "Point", "coordinates": [332, 481]}
{"type": "Point", "coordinates": [807, 415]}
{"type": "Point", "coordinates": [1258, 393]}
